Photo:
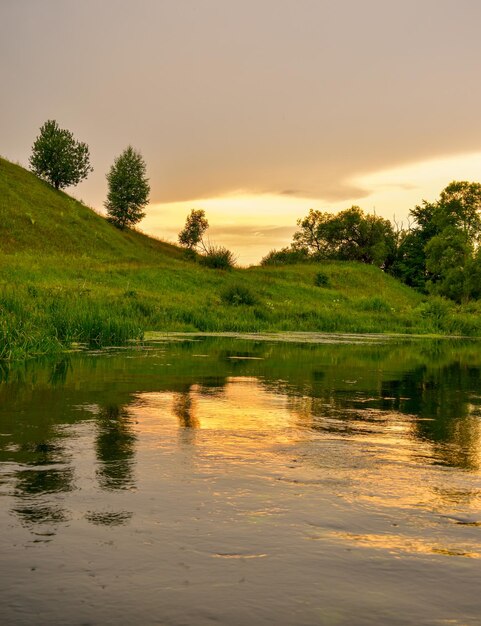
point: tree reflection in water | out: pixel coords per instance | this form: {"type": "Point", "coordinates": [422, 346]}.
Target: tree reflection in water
{"type": "Point", "coordinates": [183, 408]}
{"type": "Point", "coordinates": [185, 404]}
{"type": "Point", "coordinates": [447, 411]}
{"type": "Point", "coordinates": [46, 472]}
{"type": "Point", "coordinates": [115, 448]}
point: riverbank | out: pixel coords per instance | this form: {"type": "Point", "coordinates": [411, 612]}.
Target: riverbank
{"type": "Point", "coordinates": [68, 276]}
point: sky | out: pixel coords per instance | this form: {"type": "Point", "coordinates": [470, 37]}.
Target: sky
{"type": "Point", "coordinates": [253, 110]}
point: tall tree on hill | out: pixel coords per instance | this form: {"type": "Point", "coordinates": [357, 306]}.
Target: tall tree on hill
{"type": "Point", "coordinates": [128, 189]}
{"type": "Point", "coordinates": [58, 158]}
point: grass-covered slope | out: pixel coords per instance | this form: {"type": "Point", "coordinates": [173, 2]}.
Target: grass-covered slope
{"type": "Point", "coordinates": [37, 219]}
{"type": "Point", "coordinates": [67, 275]}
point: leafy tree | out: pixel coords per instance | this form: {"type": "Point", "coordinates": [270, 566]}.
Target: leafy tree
{"type": "Point", "coordinates": [358, 237]}
{"type": "Point", "coordinates": [312, 235]}
{"type": "Point", "coordinates": [350, 235]}
{"type": "Point", "coordinates": [58, 158]}
{"type": "Point", "coordinates": [128, 189]}
{"type": "Point", "coordinates": [459, 205]}
{"type": "Point", "coordinates": [193, 232]}
{"type": "Point", "coordinates": [473, 274]}
{"type": "Point", "coordinates": [448, 263]}
{"type": "Point", "coordinates": [439, 253]}
{"type": "Point", "coordinates": [409, 264]}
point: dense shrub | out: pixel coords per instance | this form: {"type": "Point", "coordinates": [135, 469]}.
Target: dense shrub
{"type": "Point", "coordinates": [238, 294]}
{"type": "Point", "coordinates": [286, 256]}
{"type": "Point", "coordinates": [375, 304]}
{"type": "Point", "coordinates": [218, 257]}
{"type": "Point", "coordinates": [190, 255]}
{"type": "Point", "coordinates": [321, 280]}
{"type": "Point", "coordinates": [436, 310]}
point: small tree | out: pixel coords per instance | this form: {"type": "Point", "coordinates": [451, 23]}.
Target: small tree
{"type": "Point", "coordinates": [193, 232]}
{"type": "Point", "coordinates": [58, 158]}
{"type": "Point", "coordinates": [128, 189]}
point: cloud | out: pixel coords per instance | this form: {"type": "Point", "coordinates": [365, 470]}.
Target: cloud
{"type": "Point", "coordinates": [251, 230]}
{"type": "Point", "coordinates": [228, 98]}
{"type": "Point", "coordinates": [292, 105]}
{"type": "Point", "coordinates": [291, 192]}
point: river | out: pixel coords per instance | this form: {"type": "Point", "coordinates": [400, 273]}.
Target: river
{"type": "Point", "coordinates": [193, 480]}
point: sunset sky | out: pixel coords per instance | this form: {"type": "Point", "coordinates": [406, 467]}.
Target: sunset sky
{"type": "Point", "coordinates": [254, 110]}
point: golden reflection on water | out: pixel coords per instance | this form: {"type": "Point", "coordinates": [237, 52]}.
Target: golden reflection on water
{"type": "Point", "coordinates": [397, 544]}
{"type": "Point", "coordinates": [241, 404]}
{"type": "Point", "coordinates": [373, 456]}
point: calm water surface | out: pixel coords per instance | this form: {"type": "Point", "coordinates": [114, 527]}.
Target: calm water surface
{"type": "Point", "coordinates": [238, 481]}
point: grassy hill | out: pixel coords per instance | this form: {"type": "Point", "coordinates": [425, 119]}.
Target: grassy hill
{"type": "Point", "coordinates": [68, 276]}
{"type": "Point", "coordinates": [37, 219]}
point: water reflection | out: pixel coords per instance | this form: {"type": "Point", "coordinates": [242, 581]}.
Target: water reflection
{"type": "Point", "coordinates": [163, 480]}
{"type": "Point", "coordinates": [408, 403]}
{"type": "Point", "coordinates": [108, 518]}
{"type": "Point", "coordinates": [183, 408]}
{"type": "Point", "coordinates": [44, 480]}
{"type": "Point", "coordinates": [60, 371]}
{"type": "Point", "coordinates": [45, 471]}
{"type": "Point", "coordinates": [115, 447]}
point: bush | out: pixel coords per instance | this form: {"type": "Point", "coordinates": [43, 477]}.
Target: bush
{"type": "Point", "coordinates": [218, 257]}
{"type": "Point", "coordinates": [190, 255]}
{"type": "Point", "coordinates": [375, 304]}
{"type": "Point", "coordinates": [238, 294]}
{"type": "Point", "coordinates": [463, 324]}
{"type": "Point", "coordinates": [436, 310]}
{"type": "Point", "coordinates": [321, 280]}
{"type": "Point", "coordinates": [286, 256]}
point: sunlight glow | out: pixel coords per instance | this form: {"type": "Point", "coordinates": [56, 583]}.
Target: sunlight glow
{"type": "Point", "coordinates": [251, 225]}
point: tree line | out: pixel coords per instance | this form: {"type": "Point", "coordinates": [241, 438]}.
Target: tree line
{"type": "Point", "coordinates": [58, 158]}
{"type": "Point", "coordinates": [438, 252]}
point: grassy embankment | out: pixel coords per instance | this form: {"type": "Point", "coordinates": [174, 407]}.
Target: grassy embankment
{"type": "Point", "coordinates": [68, 276]}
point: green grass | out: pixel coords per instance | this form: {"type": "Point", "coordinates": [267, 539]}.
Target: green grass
{"type": "Point", "coordinates": [68, 276]}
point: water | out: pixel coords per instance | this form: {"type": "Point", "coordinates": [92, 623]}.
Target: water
{"type": "Point", "coordinates": [238, 481]}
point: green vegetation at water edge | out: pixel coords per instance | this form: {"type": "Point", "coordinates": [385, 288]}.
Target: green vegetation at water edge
{"type": "Point", "coordinates": [68, 275]}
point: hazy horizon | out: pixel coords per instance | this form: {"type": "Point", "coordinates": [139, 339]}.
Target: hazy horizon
{"type": "Point", "coordinates": [254, 111]}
